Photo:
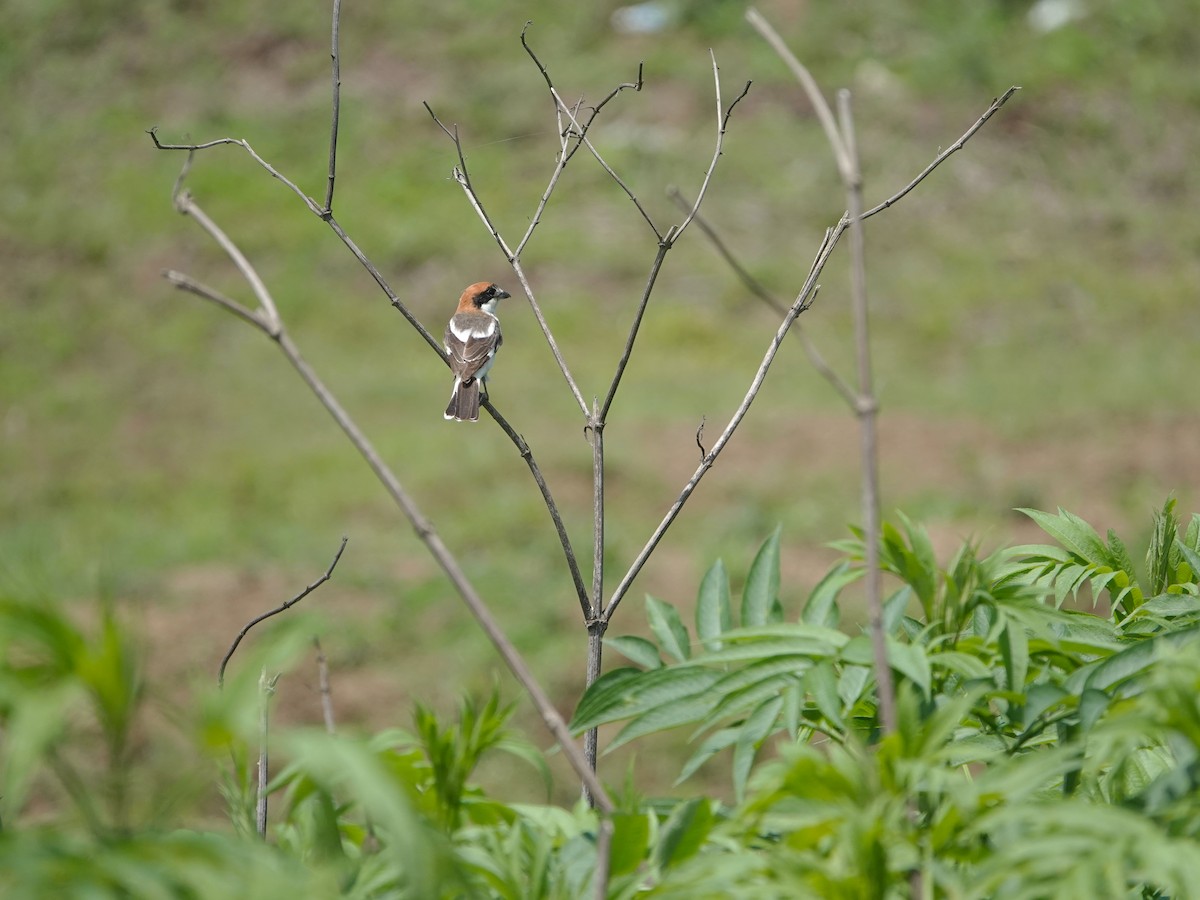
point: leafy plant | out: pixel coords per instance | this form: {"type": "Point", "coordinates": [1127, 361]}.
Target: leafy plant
{"type": "Point", "coordinates": [1017, 716]}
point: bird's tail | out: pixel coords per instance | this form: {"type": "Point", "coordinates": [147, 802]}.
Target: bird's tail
{"type": "Point", "coordinates": [464, 401]}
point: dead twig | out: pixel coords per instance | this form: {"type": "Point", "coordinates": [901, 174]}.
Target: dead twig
{"type": "Point", "coordinates": [424, 529]}
{"type": "Point", "coordinates": [324, 687]}
{"type": "Point", "coordinates": [287, 604]}
{"type": "Point", "coordinates": [667, 241]}
{"type": "Point", "coordinates": [463, 178]}
{"type": "Point", "coordinates": [266, 688]}
{"type": "Point", "coordinates": [867, 410]}
{"type": "Point", "coordinates": [755, 287]}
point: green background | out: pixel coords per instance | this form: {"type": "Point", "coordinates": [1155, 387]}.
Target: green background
{"type": "Point", "coordinates": [1034, 307]}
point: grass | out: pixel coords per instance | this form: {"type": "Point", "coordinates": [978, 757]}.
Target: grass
{"type": "Point", "coordinates": [1033, 299]}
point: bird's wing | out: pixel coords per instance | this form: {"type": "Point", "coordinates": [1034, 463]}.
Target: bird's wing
{"type": "Point", "coordinates": [470, 344]}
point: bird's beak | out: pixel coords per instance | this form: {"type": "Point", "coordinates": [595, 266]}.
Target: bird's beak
{"type": "Point", "coordinates": [502, 294]}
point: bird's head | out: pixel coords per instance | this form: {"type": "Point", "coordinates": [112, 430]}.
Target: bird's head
{"type": "Point", "coordinates": [482, 295]}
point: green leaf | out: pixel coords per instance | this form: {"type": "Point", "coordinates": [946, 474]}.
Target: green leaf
{"type": "Point", "coordinates": [744, 688]}
{"type": "Point", "coordinates": [1160, 556]}
{"type": "Point", "coordinates": [858, 651]}
{"type": "Point", "coordinates": [636, 649]}
{"type": "Point", "coordinates": [710, 747]}
{"type": "Point", "coordinates": [911, 662]}
{"type": "Point", "coordinates": [667, 715]}
{"type": "Point", "coordinates": [755, 730]}
{"type": "Point", "coordinates": [34, 721]}
{"type": "Point", "coordinates": [1120, 555]}
{"type": "Point", "coordinates": [625, 693]}
{"type": "Point", "coordinates": [1122, 666]}
{"type": "Point", "coordinates": [1014, 650]}
{"type": "Point", "coordinates": [852, 683]}
{"type": "Point", "coordinates": [349, 769]}
{"type": "Point", "coordinates": [630, 840]}
{"type": "Point", "coordinates": [1092, 704]}
{"type": "Point", "coordinates": [1192, 536]}
{"type": "Point", "coordinates": [916, 566]}
{"type": "Point", "coordinates": [821, 607]}
{"type": "Point", "coordinates": [714, 614]}
{"type": "Point", "coordinates": [1169, 606]}
{"type": "Point", "coordinates": [761, 593]}
{"type": "Point", "coordinates": [965, 664]}
{"type": "Point", "coordinates": [1073, 533]}
{"type": "Point", "coordinates": [1041, 697]}
{"type": "Point", "coordinates": [894, 608]}
{"type": "Point", "coordinates": [668, 628]}
{"type": "Point", "coordinates": [1192, 559]}
{"type": "Point", "coordinates": [821, 682]}
{"type": "Point", "coordinates": [791, 638]}
{"type": "Point", "coordinates": [684, 832]}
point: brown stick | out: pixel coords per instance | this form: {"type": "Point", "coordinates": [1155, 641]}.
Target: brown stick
{"type": "Point", "coordinates": [198, 289]}
{"type": "Point", "coordinates": [324, 687]}
{"type": "Point", "coordinates": [425, 531]}
{"type": "Point", "coordinates": [866, 408]}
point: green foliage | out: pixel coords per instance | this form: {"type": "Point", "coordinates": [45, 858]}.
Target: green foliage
{"type": "Point", "coordinates": [1039, 750]}
{"type": "Point", "coordinates": [57, 681]}
{"type": "Point", "coordinates": [1017, 717]}
{"type": "Point", "coordinates": [1084, 559]}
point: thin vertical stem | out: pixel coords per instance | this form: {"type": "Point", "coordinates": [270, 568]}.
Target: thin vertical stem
{"type": "Point", "coordinates": [324, 688]}
{"type": "Point", "coordinates": [266, 687]}
{"type": "Point", "coordinates": [604, 838]}
{"type": "Point", "coordinates": [866, 409]}
{"type": "Point", "coordinates": [595, 622]}
{"type": "Point", "coordinates": [596, 431]}
{"type": "Point", "coordinates": [336, 65]}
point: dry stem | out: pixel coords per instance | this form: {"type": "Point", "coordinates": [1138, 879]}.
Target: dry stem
{"type": "Point", "coordinates": [195, 288]}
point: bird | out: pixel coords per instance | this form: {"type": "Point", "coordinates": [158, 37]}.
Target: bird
{"type": "Point", "coordinates": [471, 341]}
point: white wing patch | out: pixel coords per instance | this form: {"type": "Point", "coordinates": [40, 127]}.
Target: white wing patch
{"type": "Point", "coordinates": [477, 331]}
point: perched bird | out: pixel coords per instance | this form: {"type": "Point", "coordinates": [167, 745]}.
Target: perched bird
{"type": "Point", "coordinates": [472, 339]}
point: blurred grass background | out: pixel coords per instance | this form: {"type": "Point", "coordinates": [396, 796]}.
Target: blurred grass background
{"type": "Point", "coordinates": [1035, 304]}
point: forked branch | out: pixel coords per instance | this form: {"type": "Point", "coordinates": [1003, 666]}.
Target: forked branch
{"type": "Point", "coordinates": [802, 302]}
{"type": "Point", "coordinates": [424, 529]}
{"type": "Point", "coordinates": [667, 241]}
{"type": "Point", "coordinates": [463, 177]}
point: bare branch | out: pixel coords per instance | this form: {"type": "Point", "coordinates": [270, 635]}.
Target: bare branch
{"type": "Point", "coordinates": [245, 145]}
{"type": "Point", "coordinates": [186, 283]}
{"type": "Point", "coordinates": [604, 836]}
{"type": "Point", "coordinates": [396, 302]}
{"type": "Point", "coordinates": [463, 178]}
{"type": "Point", "coordinates": [663, 247]}
{"type": "Point", "coordinates": [867, 409]}
{"type": "Point", "coordinates": [270, 316]}
{"type": "Point", "coordinates": [941, 157]}
{"type": "Point", "coordinates": [820, 106]}
{"type": "Point", "coordinates": [283, 607]}
{"type": "Point", "coordinates": [755, 287]}
{"type": "Point", "coordinates": [266, 688]}
{"type": "Point", "coordinates": [667, 241]}
{"type": "Point", "coordinates": [550, 716]}
{"type": "Point", "coordinates": [581, 133]}
{"type": "Point", "coordinates": [596, 432]}
{"type": "Point", "coordinates": [803, 301]}
{"type": "Point", "coordinates": [722, 123]}
{"type": "Point", "coordinates": [323, 687]}
{"type": "Point", "coordinates": [568, 551]}
{"type": "Point", "coordinates": [335, 59]}
{"type": "Point", "coordinates": [324, 215]}
{"type": "Point", "coordinates": [700, 437]}
{"type": "Point", "coordinates": [566, 149]}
